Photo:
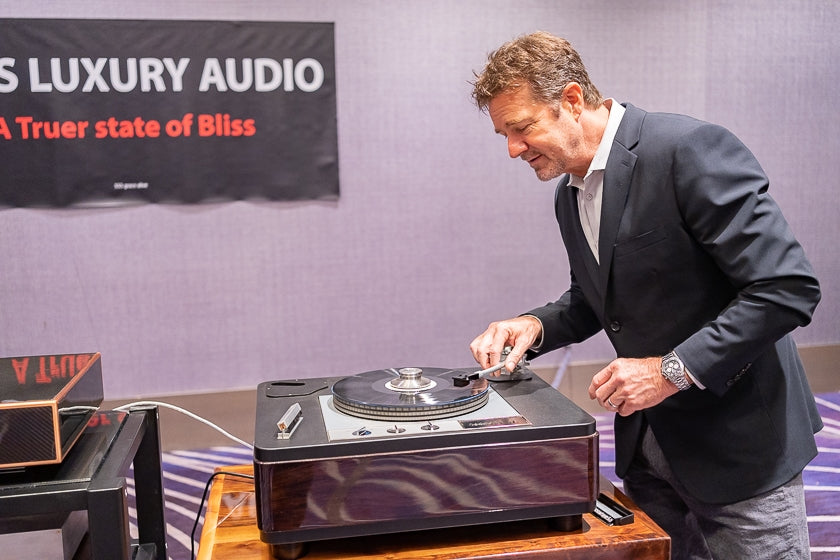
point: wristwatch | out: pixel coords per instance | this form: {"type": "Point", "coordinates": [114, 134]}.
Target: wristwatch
{"type": "Point", "coordinates": [674, 371]}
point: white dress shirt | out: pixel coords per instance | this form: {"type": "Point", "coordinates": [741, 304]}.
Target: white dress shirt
{"type": "Point", "coordinates": [591, 186]}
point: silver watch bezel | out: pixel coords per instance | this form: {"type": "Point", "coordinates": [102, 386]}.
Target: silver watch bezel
{"type": "Point", "coordinates": [673, 369]}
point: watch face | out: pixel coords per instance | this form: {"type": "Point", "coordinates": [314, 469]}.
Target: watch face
{"type": "Point", "coordinates": [672, 369]}
{"type": "Point", "coordinates": [671, 366]}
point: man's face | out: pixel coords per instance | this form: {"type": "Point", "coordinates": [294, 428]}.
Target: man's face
{"type": "Point", "coordinates": [547, 136]}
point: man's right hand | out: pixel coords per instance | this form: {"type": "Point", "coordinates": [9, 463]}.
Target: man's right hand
{"type": "Point", "coordinates": [520, 333]}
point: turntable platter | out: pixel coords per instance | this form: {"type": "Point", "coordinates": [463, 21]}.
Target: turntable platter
{"type": "Point", "coordinates": [408, 394]}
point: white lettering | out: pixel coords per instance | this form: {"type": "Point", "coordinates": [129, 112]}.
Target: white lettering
{"type": "Point", "coordinates": [255, 73]}
{"type": "Point", "coordinates": [289, 69]}
{"type": "Point", "coordinates": [35, 84]}
{"type": "Point", "coordinates": [103, 74]}
{"type": "Point", "coordinates": [148, 74]}
{"type": "Point", "coordinates": [176, 71]}
{"type": "Point", "coordinates": [151, 70]}
{"type": "Point", "coordinates": [317, 75]}
{"type": "Point", "coordinates": [8, 79]}
{"type": "Point", "coordinates": [262, 66]}
{"type": "Point", "coordinates": [94, 72]}
{"type": "Point", "coordinates": [73, 70]}
{"type": "Point", "coordinates": [247, 74]}
{"type": "Point", "coordinates": [131, 74]}
{"type": "Point", "coordinates": [212, 75]}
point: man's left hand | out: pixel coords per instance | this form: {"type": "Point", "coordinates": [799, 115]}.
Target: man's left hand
{"type": "Point", "coordinates": [630, 384]}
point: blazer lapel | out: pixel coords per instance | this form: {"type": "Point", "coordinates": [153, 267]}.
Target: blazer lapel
{"type": "Point", "coordinates": [617, 176]}
{"type": "Point", "coordinates": [580, 255]}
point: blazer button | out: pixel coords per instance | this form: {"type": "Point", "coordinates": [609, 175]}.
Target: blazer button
{"type": "Point", "coordinates": [615, 326]}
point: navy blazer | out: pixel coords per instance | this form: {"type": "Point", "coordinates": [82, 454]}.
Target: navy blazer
{"type": "Point", "coordinates": [695, 256]}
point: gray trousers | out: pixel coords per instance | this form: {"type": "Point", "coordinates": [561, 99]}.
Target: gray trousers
{"type": "Point", "coordinates": [771, 526]}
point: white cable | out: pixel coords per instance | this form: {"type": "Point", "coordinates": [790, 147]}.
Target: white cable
{"type": "Point", "coordinates": [78, 408]}
{"type": "Point", "coordinates": [188, 413]}
{"type": "Point", "coordinates": [561, 369]}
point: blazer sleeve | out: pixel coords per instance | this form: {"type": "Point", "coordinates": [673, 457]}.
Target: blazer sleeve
{"type": "Point", "coordinates": [721, 191]}
{"type": "Point", "coordinates": [566, 321]}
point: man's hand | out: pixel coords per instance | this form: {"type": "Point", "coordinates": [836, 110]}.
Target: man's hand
{"type": "Point", "coordinates": [627, 385]}
{"type": "Point", "coordinates": [519, 333]}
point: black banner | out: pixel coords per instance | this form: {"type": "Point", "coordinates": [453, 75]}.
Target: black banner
{"type": "Point", "coordinates": [120, 111]}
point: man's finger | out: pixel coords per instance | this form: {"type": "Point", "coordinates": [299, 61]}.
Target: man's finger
{"type": "Point", "coordinates": [516, 355]}
{"type": "Point", "coordinates": [598, 380]}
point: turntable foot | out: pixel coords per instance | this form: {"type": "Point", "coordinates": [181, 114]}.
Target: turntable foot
{"type": "Point", "coordinates": [566, 523]}
{"type": "Point", "coordinates": [289, 551]}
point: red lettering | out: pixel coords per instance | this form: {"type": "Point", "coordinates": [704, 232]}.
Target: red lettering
{"type": "Point", "coordinates": [23, 123]}
{"type": "Point", "coordinates": [55, 369]}
{"type": "Point", "coordinates": [101, 129]}
{"type": "Point", "coordinates": [70, 129]}
{"type": "Point", "coordinates": [68, 366]}
{"type": "Point", "coordinates": [137, 128]}
{"type": "Point", "coordinates": [41, 375]}
{"type": "Point", "coordinates": [4, 130]}
{"type": "Point", "coordinates": [82, 361]}
{"type": "Point", "coordinates": [51, 130]}
{"type": "Point", "coordinates": [240, 127]}
{"type": "Point", "coordinates": [152, 129]}
{"type": "Point", "coordinates": [101, 419]}
{"type": "Point", "coordinates": [63, 366]}
{"type": "Point", "coordinates": [50, 367]}
{"type": "Point", "coordinates": [206, 125]}
{"type": "Point", "coordinates": [221, 124]}
{"type": "Point", "coordinates": [20, 369]}
{"type": "Point", "coordinates": [125, 129]}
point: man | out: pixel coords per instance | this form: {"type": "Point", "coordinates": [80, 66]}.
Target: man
{"type": "Point", "coordinates": [678, 252]}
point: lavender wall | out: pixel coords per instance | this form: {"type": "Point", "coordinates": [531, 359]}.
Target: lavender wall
{"type": "Point", "coordinates": [436, 232]}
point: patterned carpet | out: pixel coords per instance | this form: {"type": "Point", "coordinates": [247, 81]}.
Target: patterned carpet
{"type": "Point", "coordinates": [186, 473]}
{"type": "Point", "coordinates": [821, 477]}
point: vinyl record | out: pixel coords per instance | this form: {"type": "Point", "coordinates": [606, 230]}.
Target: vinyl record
{"type": "Point", "coordinates": [408, 394]}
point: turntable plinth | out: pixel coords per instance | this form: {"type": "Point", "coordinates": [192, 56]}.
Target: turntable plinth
{"type": "Point", "coordinates": [528, 454]}
{"type": "Point", "coordinates": [230, 531]}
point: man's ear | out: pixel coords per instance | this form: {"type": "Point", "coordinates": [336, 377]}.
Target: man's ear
{"type": "Point", "coordinates": [572, 98]}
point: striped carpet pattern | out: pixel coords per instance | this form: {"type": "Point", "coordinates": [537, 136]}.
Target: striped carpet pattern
{"type": "Point", "coordinates": [185, 474]}
{"type": "Point", "coordinates": [821, 477]}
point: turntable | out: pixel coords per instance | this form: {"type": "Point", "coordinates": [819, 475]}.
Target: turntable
{"type": "Point", "coordinates": [408, 449]}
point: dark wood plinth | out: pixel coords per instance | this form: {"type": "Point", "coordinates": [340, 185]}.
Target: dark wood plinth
{"type": "Point", "coordinates": [230, 531]}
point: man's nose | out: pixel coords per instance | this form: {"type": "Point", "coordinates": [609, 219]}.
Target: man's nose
{"type": "Point", "coordinates": [516, 147]}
